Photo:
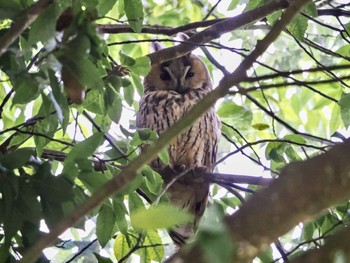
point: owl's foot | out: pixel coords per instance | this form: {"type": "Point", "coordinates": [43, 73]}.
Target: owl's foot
{"type": "Point", "coordinates": [201, 170]}
{"type": "Point", "coordinates": [180, 168]}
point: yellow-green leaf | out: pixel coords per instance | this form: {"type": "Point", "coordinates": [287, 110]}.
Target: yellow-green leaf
{"type": "Point", "coordinates": [261, 126]}
{"type": "Point", "coordinates": [121, 246]}
{"type": "Point", "coordinates": [160, 216]}
{"type": "Point", "coordinates": [154, 249]}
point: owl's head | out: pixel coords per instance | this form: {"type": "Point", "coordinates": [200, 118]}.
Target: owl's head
{"type": "Point", "coordinates": [181, 74]}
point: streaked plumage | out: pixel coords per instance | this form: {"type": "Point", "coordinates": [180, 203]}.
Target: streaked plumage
{"type": "Point", "coordinates": [171, 90]}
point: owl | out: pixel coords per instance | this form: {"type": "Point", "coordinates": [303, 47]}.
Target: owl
{"type": "Point", "coordinates": [171, 89]}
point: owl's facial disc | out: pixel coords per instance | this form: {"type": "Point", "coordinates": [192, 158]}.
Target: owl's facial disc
{"type": "Point", "coordinates": [177, 76]}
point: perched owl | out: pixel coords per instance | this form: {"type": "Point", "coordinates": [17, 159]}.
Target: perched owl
{"type": "Point", "coordinates": [171, 89]}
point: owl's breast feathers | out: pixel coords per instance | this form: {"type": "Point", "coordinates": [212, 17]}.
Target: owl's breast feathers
{"type": "Point", "coordinates": [195, 147]}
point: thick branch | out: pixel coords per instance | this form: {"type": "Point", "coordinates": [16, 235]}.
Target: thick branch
{"type": "Point", "coordinates": [159, 30]}
{"type": "Point", "coordinates": [337, 248]}
{"type": "Point", "coordinates": [171, 31]}
{"type": "Point", "coordinates": [168, 173]}
{"type": "Point", "coordinates": [217, 30]}
{"type": "Point", "coordinates": [302, 191]}
{"type": "Point", "coordinates": [333, 12]}
{"type": "Point", "coordinates": [18, 27]}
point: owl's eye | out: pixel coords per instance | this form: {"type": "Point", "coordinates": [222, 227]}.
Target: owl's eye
{"type": "Point", "coordinates": [189, 74]}
{"type": "Point", "coordinates": [165, 75]}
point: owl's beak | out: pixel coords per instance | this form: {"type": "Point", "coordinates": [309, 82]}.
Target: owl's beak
{"type": "Point", "coordinates": [181, 89]}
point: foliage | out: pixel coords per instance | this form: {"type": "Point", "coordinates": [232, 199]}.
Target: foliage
{"type": "Point", "coordinates": [69, 92]}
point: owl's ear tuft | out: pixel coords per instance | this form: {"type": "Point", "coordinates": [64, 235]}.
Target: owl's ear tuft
{"type": "Point", "coordinates": [156, 46]}
{"type": "Point", "coordinates": [182, 37]}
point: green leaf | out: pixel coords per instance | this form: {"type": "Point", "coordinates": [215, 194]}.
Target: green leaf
{"type": "Point", "coordinates": [344, 104]}
{"type": "Point", "coordinates": [52, 212]}
{"type": "Point", "coordinates": [115, 109]}
{"type": "Point", "coordinates": [231, 202]}
{"type": "Point", "coordinates": [47, 126]}
{"type": "Point", "coordinates": [134, 13]}
{"type": "Point", "coordinates": [105, 6]}
{"type": "Point", "coordinates": [267, 255]}
{"type": "Point", "coordinates": [85, 148]}
{"type": "Point", "coordinates": [292, 154]}
{"type": "Point", "coordinates": [295, 138]}
{"type": "Point", "coordinates": [274, 151]}
{"type": "Point", "coordinates": [232, 5]}
{"type": "Point", "coordinates": [213, 236]}
{"type": "Point", "coordinates": [235, 115]}
{"type": "Point", "coordinates": [121, 7]}
{"type": "Point", "coordinates": [26, 90]}
{"type": "Point", "coordinates": [143, 136]}
{"type": "Point", "coordinates": [16, 159]}
{"type": "Point", "coordinates": [260, 126]}
{"type": "Point", "coordinates": [56, 189]}
{"type": "Point", "coordinates": [154, 249]}
{"type": "Point", "coordinates": [28, 204]}
{"type": "Point", "coordinates": [311, 9]}
{"type": "Point", "coordinates": [132, 188]}
{"type": "Point", "coordinates": [75, 58]}
{"type": "Point", "coordinates": [160, 216]}
{"type": "Point", "coordinates": [105, 224]}
{"type": "Point", "coordinates": [298, 26]}
{"type": "Point", "coordinates": [93, 180]}
{"type": "Point", "coordinates": [62, 108]}
{"type": "Point", "coordinates": [44, 26]}
{"type": "Point", "coordinates": [137, 83]}
{"type": "Point", "coordinates": [336, 119]}
{"type": "Point", "coordinates": [5, 248]}
{"type": "Point", "coordinates": [125, 59]}
{"type": "Point", "coordinates": [142, 66]}
{"type": "Point", "coordinates": [153, 180]}
{"type": "Point", "coordinates": [101, 259]}
{"type": "Point", "coordinates": [135, 202]}
{"type": "Point", "coordinates": [253, 4]}
{"type": "Point", "coordinates": [92, 102]}
{"type": "Point", "coordinates": [120, 212]}
{"type": "Point", "coordinates": [308, 230]}
{"type": "Point", "coordinates": [121, 247]}
{"type": "Point", "coordinates": [12, 223]}
{"type": "Point", "coordinates": [164, 156]}
{"type": "Point", "coordinates": [128, 91]}
{"type": "Point", "coordinates": [83, 70]}
{"type": "Point", "coordinates": [9, 9]}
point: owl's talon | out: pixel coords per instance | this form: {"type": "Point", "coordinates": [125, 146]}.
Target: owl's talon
{"type": "Point", "coordinates": [201, 170]}
{"type": "Point", "coordinates": [179, 168]}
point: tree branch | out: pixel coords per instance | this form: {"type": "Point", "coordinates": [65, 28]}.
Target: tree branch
{"type": "Point", "coordinates": [313, 185]}
{"type": "Point", "coordinates": [168, 173]}
{"type": "Point", "coordinates": [158, 30]}
{"type": "Point", "coordinates": [337, 249]}
{"type": "Point", "coordinates": [217, 30]}
{"type": "Point", "coordinates": [171, 31]}
{"type": "Point", "coordinates": [22, 24]}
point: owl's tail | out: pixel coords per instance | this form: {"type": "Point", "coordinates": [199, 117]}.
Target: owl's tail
{"type": "Point", "coordinates": [193, 198]}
